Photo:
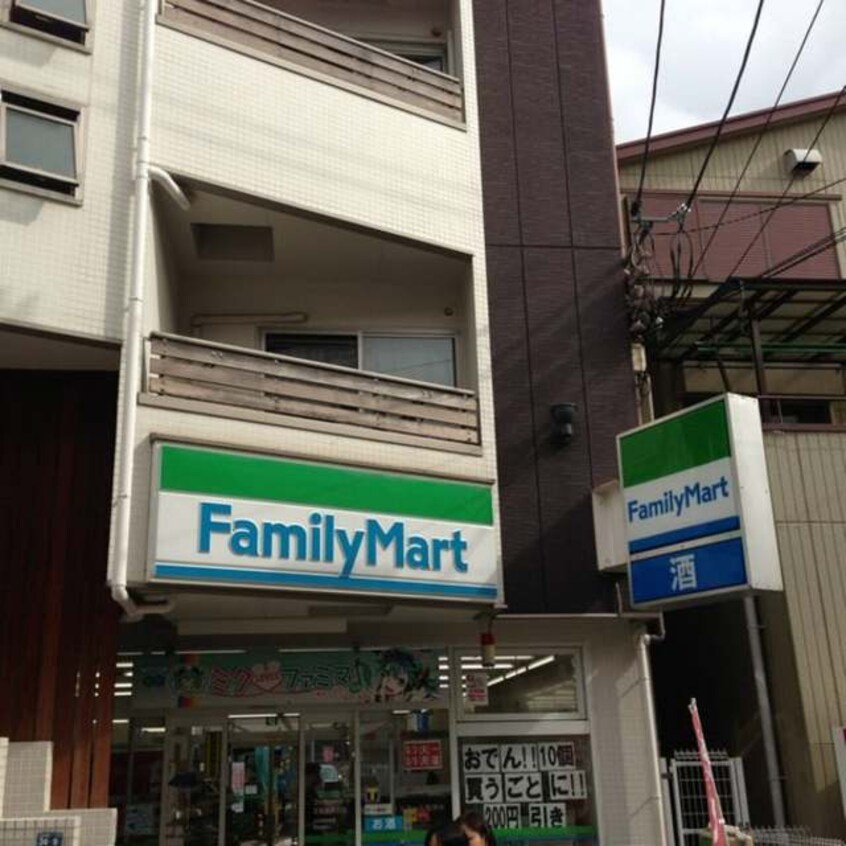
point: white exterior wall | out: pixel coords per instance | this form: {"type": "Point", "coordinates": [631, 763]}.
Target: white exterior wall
{"type": "Point", "coordinates": [63, 267]}
{"type": "Point", "coordinates": [268, 132]}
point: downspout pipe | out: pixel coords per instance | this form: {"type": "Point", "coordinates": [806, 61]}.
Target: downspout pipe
{"type": "Point", "coordinates": [133, 346]}
{"type": "Point", "coordinates": [644, 641]}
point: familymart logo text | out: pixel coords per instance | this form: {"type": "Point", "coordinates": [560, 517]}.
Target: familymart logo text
{"type": "Point", "coordinates": [320, 539]}
{"type": "Point", "coordinates": [676, 501]}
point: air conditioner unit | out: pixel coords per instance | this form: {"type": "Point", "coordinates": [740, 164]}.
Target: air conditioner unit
{"type": "Point", "coordinates": [802, 162]}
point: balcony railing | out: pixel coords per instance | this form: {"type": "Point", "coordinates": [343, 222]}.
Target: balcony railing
{"type": "Point", "coordinates": [258, 29]}
{"type": "Point", "coordinates": [215, 375]}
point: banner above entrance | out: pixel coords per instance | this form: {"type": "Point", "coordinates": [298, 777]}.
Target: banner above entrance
{"type": "Point", "coordinates": [267, 678]}
{"type": "Point", "coordinates": [226, 518]}
{"type": "Point", "coordinates": [698, 516]}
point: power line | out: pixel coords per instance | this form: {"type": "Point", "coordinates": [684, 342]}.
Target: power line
{"type": "Point", "coordinates": [760, 137]}
{"type": "Point", "coordinates": [715, 140]}
{"type": "Point", "coordinates": [764, 225]}
{"type": "Point", "coordinates": [759, 212]}
{"type": "Point", "coordinates": [807, 252]}
{"type": "Point", "coordinates": [635, 209]}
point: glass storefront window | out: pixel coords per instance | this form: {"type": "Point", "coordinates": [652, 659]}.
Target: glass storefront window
{"type": "Point", "coordinates": [534, 790]}
{"type": "Point", "coordinates": [533, 682]}
{"type": "Point", "coordinates": [405, 775]}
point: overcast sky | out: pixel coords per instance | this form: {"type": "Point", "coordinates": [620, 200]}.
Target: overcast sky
{"type": "Point", "coordinates": [701, 54]}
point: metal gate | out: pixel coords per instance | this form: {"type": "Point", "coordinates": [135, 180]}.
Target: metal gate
{"type": "Point", "coordinates": [687, 793]}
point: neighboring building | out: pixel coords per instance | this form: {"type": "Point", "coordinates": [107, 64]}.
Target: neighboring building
{"type": "Point", "coordinates": [790, 306]}
{"type": "Point", "coordinates": [335, 265]}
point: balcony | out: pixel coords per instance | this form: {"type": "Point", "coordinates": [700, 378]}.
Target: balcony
{"type": "Point", "coordinates": [414, 81]}
{"type": "Point", "coordinates": [261, 314]}
{"type": "Point", "coordinates": [217, 376]}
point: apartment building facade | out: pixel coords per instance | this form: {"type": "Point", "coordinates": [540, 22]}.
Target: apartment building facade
{"type": "Point", "coordinates": [761, 314]}
{"type": "Point", "coordinates": [347, 276]}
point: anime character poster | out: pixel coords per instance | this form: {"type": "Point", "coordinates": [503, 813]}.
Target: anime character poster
{"type": "Point", "coordinates": [392, 676]}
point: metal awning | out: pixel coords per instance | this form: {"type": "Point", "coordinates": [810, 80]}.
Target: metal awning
{"type": "Point", "coordinates": [759, 321]}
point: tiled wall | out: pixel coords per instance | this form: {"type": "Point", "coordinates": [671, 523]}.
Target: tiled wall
{"type": "Point", "coordinates": [4, 752]}
{"type": "Point", "coordinates": [24, 832]}
{"type": "Point", "coordinates": [97, 826]}
{"type": "Point", "coordinates": [29, 773]}
{"type": "Point", "coordinates": [25, 774]}
{"type": "Point", "coordinates": [77, 285]}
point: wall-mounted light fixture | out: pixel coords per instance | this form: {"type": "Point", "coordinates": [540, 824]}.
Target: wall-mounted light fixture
{"type": "Point", "coordinates": [563, 417]}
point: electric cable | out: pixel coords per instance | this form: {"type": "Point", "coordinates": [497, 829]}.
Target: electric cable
{"type": "Point", "coordinates": [815, 248]}
{"type": "Point", "coordinates": [759, 212]}
{"type": "Point", "coordinates": [635, 208]}
{"type": "Point", "coordinates": [760, 137]}
{"type": "Point", "coordinates": [784, 193]}
{"type": "Point", "coordinates": [715, 140]}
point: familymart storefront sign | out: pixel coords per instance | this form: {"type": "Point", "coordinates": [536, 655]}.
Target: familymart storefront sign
{"type": "Point", "coordinates": [698, 515]}
{"type": "Point", "coordinates": [227, 518]}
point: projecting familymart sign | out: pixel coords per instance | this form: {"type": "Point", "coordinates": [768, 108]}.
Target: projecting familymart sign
{"type": "Point", "coordinates": [226, 518]}
{"type": "Point", "coordinates": [698, 515]}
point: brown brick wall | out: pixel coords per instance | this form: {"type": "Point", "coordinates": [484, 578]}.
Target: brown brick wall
{"type": "Point", "coordinates": [558, 320]}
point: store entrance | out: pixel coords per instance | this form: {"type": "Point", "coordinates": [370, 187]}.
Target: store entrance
{"type": "Point", "coordinates": [313, 779]}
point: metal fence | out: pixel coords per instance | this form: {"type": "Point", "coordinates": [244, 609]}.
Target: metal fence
{"type": "Point", "coordinates": [690, 805]}
{"type": "Point", "coordinates": [790, 837]}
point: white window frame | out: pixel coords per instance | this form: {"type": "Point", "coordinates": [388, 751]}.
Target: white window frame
{"type": "Point", "coordinates": [362, 334]}
{"type": "Point", "coordinates": [74, 182]}
{"type": "Point", "coordinates": [576, 721]}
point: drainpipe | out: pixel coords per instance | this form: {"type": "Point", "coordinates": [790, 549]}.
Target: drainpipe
{"type": "Point", "coordinates": [644, 641]}
{"type": "Point", "coordinates": [134, 343]}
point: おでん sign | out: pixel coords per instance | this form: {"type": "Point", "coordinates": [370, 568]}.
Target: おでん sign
{"type": "Point", "coordinates": [698, 514]}
{"type": "Point", "coordinates": [227, 518]}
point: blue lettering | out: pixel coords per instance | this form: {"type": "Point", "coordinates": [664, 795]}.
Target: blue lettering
{"type": "Point", "coordinates": [377, 535]}
{"type": "Point", "coordinates": [632, 506]}
{"type": "Point", "coordinates": [210, 526]}
{"type": "Point", "coordinates": [458, 545]}
{"type": "Point", "coordinates": [417, 552]}
{"type": "Point", "coordinates": [350, 549]}
{"type": "Point", "coordinates": [284, 533]}
{"type": "Point", "coordinates": [244, 540]}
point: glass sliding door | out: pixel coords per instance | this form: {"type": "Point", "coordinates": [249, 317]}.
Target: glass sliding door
{"type": "Point", "coordinates": [192, 810]}
{"type": "Point", "coordinates": [405, 775]}
{"type": "Point", "coordinates": [262, 796]}
{"type": "Point", "coordinates": [329, 801]}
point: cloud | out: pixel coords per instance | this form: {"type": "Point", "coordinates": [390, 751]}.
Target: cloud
{"type": "Point", "coordinates": [703, 47]}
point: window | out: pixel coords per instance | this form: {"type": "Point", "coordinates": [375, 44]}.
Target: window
{"type": "Point", "coordinates": [65, 19]}
{"type": "Point", "coordinates": [326, 349]}
{"type": "Point", "coordinates": [38, 144]}
{"type": "Point", "coordinates": [532, 683]}
{"type": "Point", "coordinates": [421, 358]}
{"type": "Point", "coordinates": [427, 55]}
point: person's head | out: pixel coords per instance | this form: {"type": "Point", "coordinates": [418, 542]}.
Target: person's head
{"type": "Point", "coordinates": [452, 834]}
{"type": "Point", "coordinates": [478, 832]}
{"type": "Point", "coordinates": [432, 838]}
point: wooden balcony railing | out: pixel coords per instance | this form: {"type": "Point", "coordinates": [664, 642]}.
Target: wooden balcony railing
{"type": "Point", "coordinates": [203, 372]}
{"type": "Point", "coordinates": [254, 27]}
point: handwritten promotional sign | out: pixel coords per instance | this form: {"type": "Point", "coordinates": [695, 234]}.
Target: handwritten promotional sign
{"type": "Point", "coordinates": [522, 784]}
{"type": "Point", "coordinates": [421, 755]}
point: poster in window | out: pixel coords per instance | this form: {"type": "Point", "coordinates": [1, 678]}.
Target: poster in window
{"type": "Point", "coordinates": [480, 758]}
{"type": "Point", "coordinates": [483, 789]}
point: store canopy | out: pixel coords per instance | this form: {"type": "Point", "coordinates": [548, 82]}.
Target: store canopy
{"type": "Point", "coordinates": [787, 321]}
